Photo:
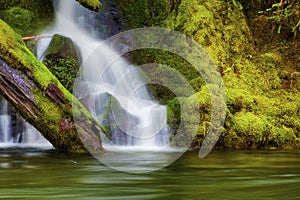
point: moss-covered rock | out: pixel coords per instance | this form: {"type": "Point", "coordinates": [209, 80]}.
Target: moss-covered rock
{"type": "Point", "coordinates": [63, 59]}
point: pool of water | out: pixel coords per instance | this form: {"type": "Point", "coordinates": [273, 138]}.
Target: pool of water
{"type": "Point", "coordinates": [40, 174]}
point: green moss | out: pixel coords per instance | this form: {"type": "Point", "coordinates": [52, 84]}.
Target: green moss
{"type": "Point", "coordinates": [94, 5]}
{"type": "Point", "coordinates": [27, 17]}
{"type": "Point", "coordinates": [209, 23]}
{"type": "Point", "coordinates": [62, 59]}
{"type": "Point", "coordinates": [18, 57]}
{"type": "Point", "coordinates": [18, 18]}
{"type": "Point", "coordinates": [173, 114]}
{"type": "Point", "coordinates": [262, 86]}
{"type": "Point", "coordinates": [247, 123]}
{"type": "Point", "coordinates": [144, 12]}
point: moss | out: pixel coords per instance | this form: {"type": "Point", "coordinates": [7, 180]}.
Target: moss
{"type": "Point", "coordinates": [249, 124]}
{"type": "Point", "coordinates": [94, 5]}
{"type": "Point", "coordinates": [15, 53]}
{"type": "Point", "coordinates": [62, 59]}
{"type": "Point", "coordinates": [144, 12]}
{"type": "Point", "coordinates": [218, 26]}
{"type": "Point", "coordinates": [27, 17]}
{"type": "Point", "coordinates": [173, 114]}
{"type": "Point", "coordinates": [262, 86]}
{"type": "Point", "coordinates": [18, 18]}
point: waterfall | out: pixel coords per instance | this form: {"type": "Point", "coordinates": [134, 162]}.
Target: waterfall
{"type": "Point", "coordinates": [5, 131]}
{"type": "Point", "coordinates": [111, 95]}
{"type": "Point", "coordinates": [15, 132]}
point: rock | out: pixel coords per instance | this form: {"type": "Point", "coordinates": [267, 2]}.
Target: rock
{"type": "Point", "coordinates": [63, 59]}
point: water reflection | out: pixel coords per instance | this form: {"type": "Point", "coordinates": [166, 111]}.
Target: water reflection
{"type": "Point", "coordinates": [138, 162]}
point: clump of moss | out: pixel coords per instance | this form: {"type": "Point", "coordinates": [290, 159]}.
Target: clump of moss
{"type": "Point", "coordinates": [94, 5]}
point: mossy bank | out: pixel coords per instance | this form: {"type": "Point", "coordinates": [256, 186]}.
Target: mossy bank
{"type": "Point", "coordinates": [261, 84]}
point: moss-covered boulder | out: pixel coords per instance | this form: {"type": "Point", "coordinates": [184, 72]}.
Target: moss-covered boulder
{"type": "Point", "coordinates": [63, 59]}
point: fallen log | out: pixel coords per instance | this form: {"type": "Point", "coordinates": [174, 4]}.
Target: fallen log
{"type": "Point", "coordinates": [41, 99]}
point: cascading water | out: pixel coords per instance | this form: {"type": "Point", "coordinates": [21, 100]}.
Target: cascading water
{"type": "Point", "coordinates": [5, 123]}
{"type": "Point", "coordinates": [15, 132]}
{"type": "Point", "coordinates": [111, 92]}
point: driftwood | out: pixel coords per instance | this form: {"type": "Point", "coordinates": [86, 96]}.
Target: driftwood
{"type": "Point", "coordinates": [41, 99]}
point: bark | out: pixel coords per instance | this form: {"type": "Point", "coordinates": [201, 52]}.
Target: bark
{"type": "Point", "coordinates": [41, 99]}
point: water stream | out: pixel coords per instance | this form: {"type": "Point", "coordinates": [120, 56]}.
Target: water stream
{"type": "Point", "coordinates": [135, 119]}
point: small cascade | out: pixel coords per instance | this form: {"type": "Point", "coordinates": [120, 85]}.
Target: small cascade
{"type": "Point", "coordinates": [15, 132]}
{"type": "Point", "coordinates": [111, 95]}
{"type": "Point", "coordinates": [5, 130]}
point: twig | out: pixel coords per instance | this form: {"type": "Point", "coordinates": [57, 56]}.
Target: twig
{"type": "Point", "coordinates": [36, 37]}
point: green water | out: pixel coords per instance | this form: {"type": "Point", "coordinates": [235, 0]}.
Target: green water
{"type": "Point", "coordinates": [221, 175]}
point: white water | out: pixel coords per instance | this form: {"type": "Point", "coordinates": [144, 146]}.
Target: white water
{"type": "Point", "coordinates": [141, 121]}
{"type": "Point", "coordinates": [29, 137]}
{"type": "Point", "coordinates": [5, 124]}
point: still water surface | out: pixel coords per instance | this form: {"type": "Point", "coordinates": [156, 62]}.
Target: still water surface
{"type": "Point", "coordinates": [36, 174]}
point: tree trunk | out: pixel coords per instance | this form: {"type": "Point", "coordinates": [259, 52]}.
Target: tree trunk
{"type": "Point", "coordinates": [41, 99]}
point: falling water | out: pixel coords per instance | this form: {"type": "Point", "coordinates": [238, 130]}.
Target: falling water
{"type": "Point", "coordinates": [15, 132]}
{"type": "Point", "coordinates": [5, 122]}
{"type": "Point", "coordinates": [134, 118]}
